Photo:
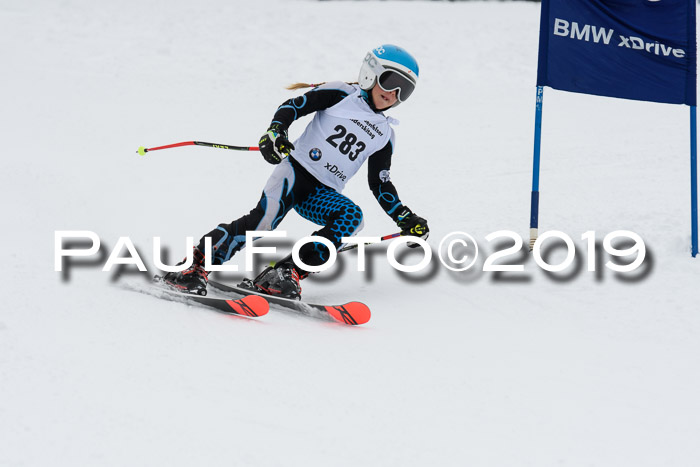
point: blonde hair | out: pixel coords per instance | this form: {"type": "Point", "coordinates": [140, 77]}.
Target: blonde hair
{"type": "Point", "coordinates": [295, 86]}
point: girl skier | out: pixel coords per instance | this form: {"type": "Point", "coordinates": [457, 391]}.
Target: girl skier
{"type": "Point", "coordinates": [348, 129]}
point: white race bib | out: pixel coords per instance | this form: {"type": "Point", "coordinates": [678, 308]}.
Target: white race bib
{"type": "Point", "coordinates": [339, 139]}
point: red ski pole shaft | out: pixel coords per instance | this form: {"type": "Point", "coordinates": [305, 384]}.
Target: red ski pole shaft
{"type": "Point", "coordinates": [381, 239]}
{"type": "Point", "coordinates": [142, 150]}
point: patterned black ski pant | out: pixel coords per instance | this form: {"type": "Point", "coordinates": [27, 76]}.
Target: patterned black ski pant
{"type": "Point", "coordinates": [291, 187]}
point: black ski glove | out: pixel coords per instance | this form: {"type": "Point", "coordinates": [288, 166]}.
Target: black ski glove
{"type": "Point", "coordinates": [412, 224]}
{"type": "Point", "coordinates": [274, 145]}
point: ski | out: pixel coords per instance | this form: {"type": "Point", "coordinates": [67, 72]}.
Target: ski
{"type": "Point", "coordinates": [352, 313]}
{"type": "Point", "coordinates": [251, 306]}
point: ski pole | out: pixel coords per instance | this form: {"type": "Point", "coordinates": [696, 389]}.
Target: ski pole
{"type": "Point", "coordinates": [142, 150]}
{"type": "Point", "coordinates": [355, 245]}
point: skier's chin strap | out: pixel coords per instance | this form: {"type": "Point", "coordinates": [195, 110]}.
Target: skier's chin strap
{"type": "Point", "coordinates": [368, 98]}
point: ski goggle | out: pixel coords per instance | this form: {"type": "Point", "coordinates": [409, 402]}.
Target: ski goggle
{"type": "Point", "coordinates": [390, 80]}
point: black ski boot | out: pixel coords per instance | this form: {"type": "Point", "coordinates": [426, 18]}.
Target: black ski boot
{"type": "Point", "coordinates": [281, 280]}
{"type": "Point", "coordinates": [192, 280]}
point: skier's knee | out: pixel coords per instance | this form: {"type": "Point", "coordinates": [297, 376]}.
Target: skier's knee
{"type": "Point", "coordinates": [348, 223]}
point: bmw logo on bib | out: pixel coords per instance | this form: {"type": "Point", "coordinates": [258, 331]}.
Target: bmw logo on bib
{"type": "Point", "coordinates": [315, 154]}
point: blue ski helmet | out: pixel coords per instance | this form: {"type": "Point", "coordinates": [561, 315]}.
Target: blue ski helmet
{"type": "Point", "coordinates": [392, 68]}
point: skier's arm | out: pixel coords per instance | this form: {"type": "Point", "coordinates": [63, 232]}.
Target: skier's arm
{"type": "Point", "coordinates": [274, 144]}
{"type": "Point", "coordinates": [378, 166]}
{"type": "Point", "coordinates": [312, 101]}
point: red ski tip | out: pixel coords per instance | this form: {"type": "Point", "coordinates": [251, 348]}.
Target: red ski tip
{"type": "Point", "coordinates": [352, 313]}
{"type": "Point", "coordinates": [252, 305]}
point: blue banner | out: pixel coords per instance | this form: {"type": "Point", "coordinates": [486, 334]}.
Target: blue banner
{"type": "Point", "coordinates": [632, 49]}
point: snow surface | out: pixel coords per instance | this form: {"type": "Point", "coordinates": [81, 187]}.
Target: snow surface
{"type": "Point", "coordinates": [478, 369]}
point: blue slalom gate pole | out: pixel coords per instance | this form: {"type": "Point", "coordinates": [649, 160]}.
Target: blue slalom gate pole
{"type": "Point", "coordinates": [694, 180]}
{"type": "Point", "coordinates": [535, 195]}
